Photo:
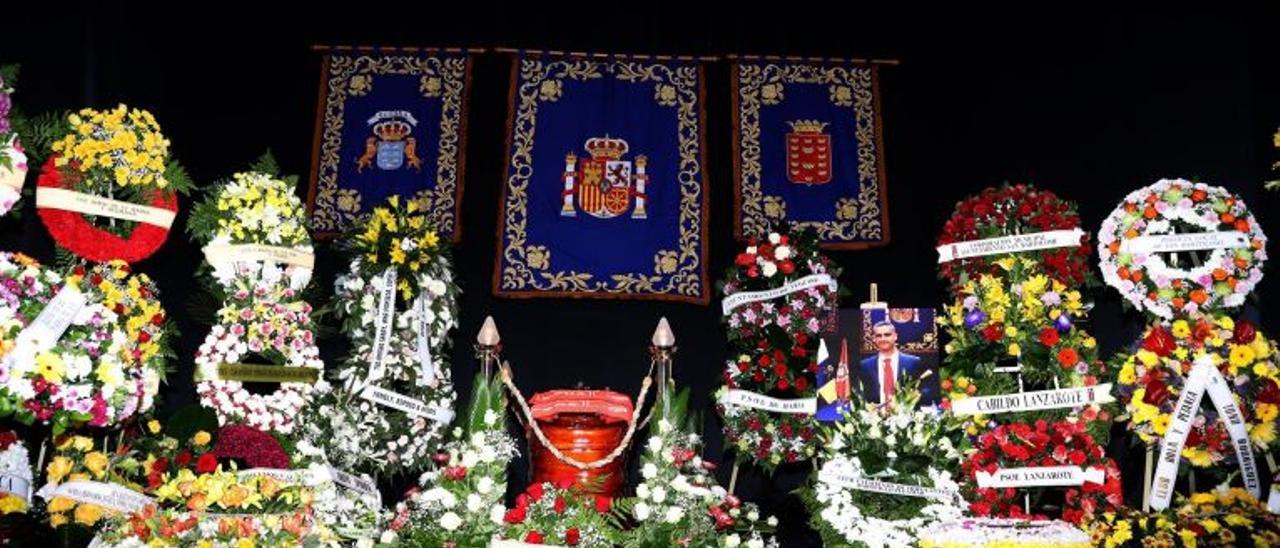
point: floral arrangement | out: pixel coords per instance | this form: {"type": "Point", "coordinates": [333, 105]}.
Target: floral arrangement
{"type": "Point", "coordinates": [1219, 279]}
{"type": "Point", "coordinates": [1223, 517]}
{"type": "Point", "coordinates": [105, 368]}
{"type": "Point", "coordinates": [679, 503]}
{"type": "Point", "coordinates": [75, 458]}
{"type": "Point", "coordinates": [1150, 380]}
{"type": "Point", "coordinates": [119, 154]}
{"type": "Point", "coordinates": [256, 207]}
{"type": "Point", "coordinates": [1004, 533]}
{"type": "Point", "coordinates": [461, 500]}
{"type": "Point", "coordinates": [1021, 445]}
{"type": "Point", "coordinates": [896, 444]}
{"type": "Point", "coordinates": [15, 463]}
{"type": "Point", "coordinates": [1012, 210]}
{"type": "Point", "coordinates": [268, 321]}
{"type": "Point", "coordinates": [13, 161]}
{"type": "Point", "coordinates": [775, 342]}
{"type": "Point", "coordinates": [564, 514]}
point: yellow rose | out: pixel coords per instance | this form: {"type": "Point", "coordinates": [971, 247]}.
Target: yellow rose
{"type": "Point", "coordinates": [1015, 350]}
{"type": "Point", "coordinates": [201, 438]}
{"type": "Point", "coordinates": [57, 520]}
{"type": "Point", "coordinates": [153, 426]}
{"type": "Point", "coordinates": [1011, 331]}
{"type": "Point", "coordinates": [1128, 374]}
{"type": "Point", "coordinates": [88, 514]}
{"type": "Point", "coordinates": [234, 496]}
{"type": "Point", "coordinates": [10, 504]}
{"type": "Point", "coordinates": [61, 504]}
{"type": "Point", "coordinates": [58, 468]}
{"type": "Point", "coordinates": [1148, 358]}
{"type": "Point", "coordinates": [97, 463]}
{"type": "Point", "coordinates": [1090, 342]}
{"type": "Point", "coordinates": [1226, 323]}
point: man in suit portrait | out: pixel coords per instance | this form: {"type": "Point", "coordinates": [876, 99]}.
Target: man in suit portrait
{"type": "Point", "coordinates": [882, 374]}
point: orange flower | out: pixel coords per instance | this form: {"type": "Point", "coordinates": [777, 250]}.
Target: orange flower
{"type": "Point", "coordinates": [1198, 195]}
{"type": "Point", "coordinates": [1136, 275]}
{"type": "Point", "coordinates": [197, 502]}
{"type": "Point", "coordinates": [1242, 225]}
{"type": "Point", "coordinates": [1177, 284]}
{"type": "Point", "coordinates": [1149, 213]}
{"type": "Point", "coordinates": [1068, 357]}
{"type": "Point", "coordinates": [1227, 218]}
{"type": "Point", "coordinates": [1178, 302]}
{"type": "Point", "coordinates": [1199, 296]}
{"type": "Point", "coordinates": [1241, 263]}
{"type": "Point", "coordinates": [1219, 274]}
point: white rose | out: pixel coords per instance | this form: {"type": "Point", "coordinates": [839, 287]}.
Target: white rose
{"type": "Point", "coordinates": [772, 521]}
{"type": "Point", "coordinates": [469, 459]}
{"type": "Point", "coordinates": [732, 541]}
{"type": "Point", "coordinates": [490, 417]}
{"type": "Point", "coordinates": [753, 515]}
{"type": "Point", "coordinates": [474, 503]}
{"type": "Point", "coordinates": [755, 543]}
{"type": "Point", "coordinates": [485, 485]}
{"type": "Point", "coordinates": [387, 537]}
{"type": "Point", "coordinates": [659, 495]}
{"type": "Point", "coordinates": [497, 513]}
{"type": "Point", "coordinates": [642, 491]}
{"type": "Point", "coordinates": [782, 253]}
{"type": "Point", "coordinates": [674, 514]}
{"type": "Point", "coordinates": [774, 238]}
{"type": "Point", "coordinates": [769, 269]}
{"type": "Point", "coordinates": [649, 471]}
{"type": "Point", "coordinates": [450, 521]}
{"type": "Point", "coordinates": [655, 444]}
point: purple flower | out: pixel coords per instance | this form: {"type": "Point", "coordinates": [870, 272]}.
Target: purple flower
{"type": "Point", "coordinates": [1082, 368]}
{"type": "Point", "coordinates": [970, 302]}
{"type": "Point", "coordinates": [973, 319]}
{"type": "Point", "coordinates": [1051, 298]}
{"type": "Point", "coordinates": [5, 105]}
{"type": "Point", "coordinates": [1063, 323]}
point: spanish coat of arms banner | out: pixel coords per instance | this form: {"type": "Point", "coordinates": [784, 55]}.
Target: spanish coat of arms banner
{"type": "Point", "coordinates": [390, 123]}
{"type": "Point", "coordinates": [808, 150]}
{"type": "Point", "coordinates": [604, 193]}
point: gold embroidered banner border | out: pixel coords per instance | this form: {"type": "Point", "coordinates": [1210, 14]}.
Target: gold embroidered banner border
{"type": "Point", "coordinates": [859, 220]}
{"type": "Point", "coordinates": [524, 268]}
{"type": "Point", "coordinates": [346, 71]}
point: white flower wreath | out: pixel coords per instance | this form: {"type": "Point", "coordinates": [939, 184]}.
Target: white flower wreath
{"type": "Point", "coordinates": [269, 321]}
{"type": "Point", "coordinates": [364, 434]}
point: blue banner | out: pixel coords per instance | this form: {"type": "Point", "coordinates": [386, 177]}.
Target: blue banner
{"type": "Point", "coordinates": [389, 124]}
{"type": "Point", "coordinates": [808, 151]}
{"type": "Point", "coordinates": [604, 192]}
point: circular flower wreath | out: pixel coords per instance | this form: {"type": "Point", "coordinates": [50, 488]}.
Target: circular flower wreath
{"type": "Point", "coordinates": [1175, 206]}
{"type": "Point", "coordinates": [366, 436]}
{"type": "Point", "coordinates": [776, 342]}
{"type": "Point", "coordinates": [1151, 380]}
{"type": "Point", "coordinates": [13, 162]}
{"type": "Point", "coordinates": [1020, 445]}
{"type": "Point", "coordinates": [254, 208]}
{"type": "Point", "coordinates": [269, 321]}
{"type": "Point", "coordinates": [1020, 319]}
{"type": "Point", "coordinates": [1010, 210]}
{"type": "Point", "coordinates": [105, 368]}
{"type": "Point", "coordinates": [897, 444]}
{"type": "Point", "coordinates": [117, 153]}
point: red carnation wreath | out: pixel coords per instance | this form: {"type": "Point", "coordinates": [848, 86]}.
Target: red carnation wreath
{"type": "Point", "coordinates": [257, 449]}
{"type": "Point", "coordinates": [1012, 210]}
{"type": "Point", "coordinates": [80, 236]}
{"type": "Point", "coordinates": [1021, 445]}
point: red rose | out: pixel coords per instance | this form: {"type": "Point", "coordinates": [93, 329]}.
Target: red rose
{"type": "Point", "coordinates": [1270, 393]}
{"type": "Point", "coordinates": [560, 505]}
{"type": "Point", "coordinates": [572, 536]}
{"type": "Point", "coordinates": [783, 384]}
{"type": "Point", "coordinates": [786, 267]}
{"type": "Point", "coordinates": [1160, 340]}
{"type": "Point", "coordinates": [535, 491]}
{"type": "Point", "coordinates": [1244, 332]}
{"type": "Point", "coordinates": [603, 504]}
{"type": "Point", "coordinates": [533, 537]}
{"type": "Point", "coordinates": [745, 259]}
{"type": "Point", "coordinates": [1048, 336]}
{"type": "Point", "coordinates": [993, 332]}
{"type": "Point", "coordinates": [514, 516]}
{"type": "Point", "coordinates": [207, 463]}
{"type": "Point", "coordinates": [802, 383]}
{"type": "Point", "coordinates": [455, 473]}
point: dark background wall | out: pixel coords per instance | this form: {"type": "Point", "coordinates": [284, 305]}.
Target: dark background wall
{"type": "Point", "coordinates": [1089, 105]}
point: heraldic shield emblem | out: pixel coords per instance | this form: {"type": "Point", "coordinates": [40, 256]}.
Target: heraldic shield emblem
{"type": "Point", "coordinates": [604, 183]}
{"type": "Point", "coordinates": [392, 144]}
{"type": "Point", "coordinates": [808, 153]}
